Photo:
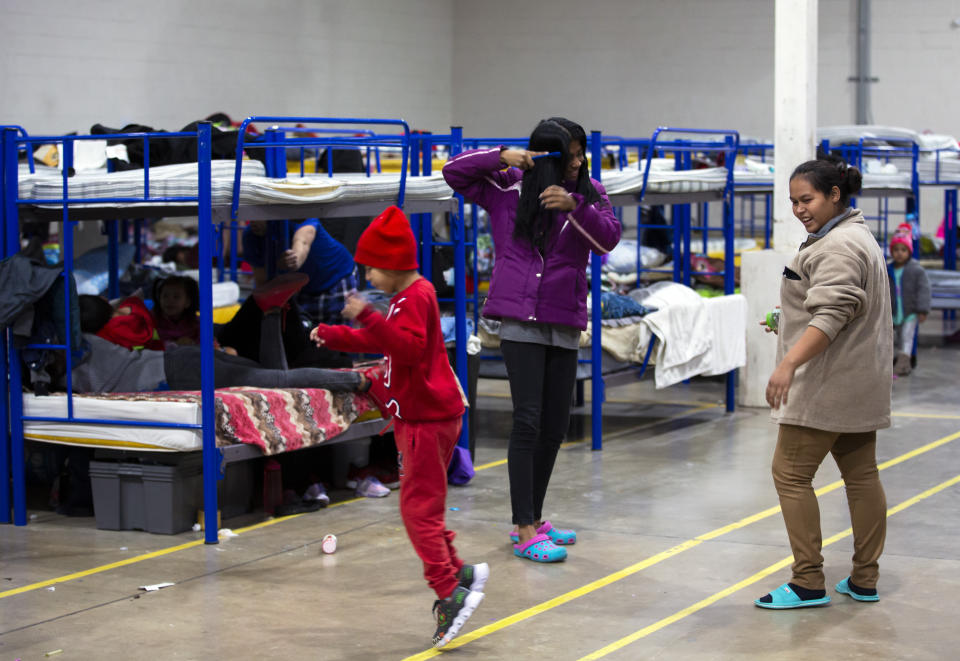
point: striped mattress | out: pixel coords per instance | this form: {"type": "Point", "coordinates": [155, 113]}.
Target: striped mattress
{"type": "Point", "coordinates": [181, 181]}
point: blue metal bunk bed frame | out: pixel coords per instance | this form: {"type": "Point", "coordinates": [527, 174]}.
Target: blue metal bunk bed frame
{"type": "Point", "coordinates": [854, 155]}
{"type": "Point", "coordinates": [949, 210]}
{"type": "Point", "coordinates": [683, 151]}
{"type": "Point", "coordinates": [681, 224]}
{"type": "Point", "coordinates": [15, 138]}
{"type": "Point", "coordinates": [14, 442]}
{"type": "Point", "coordinates": [947, 303]}
{"type": "Point", "coordinates": [748, 192]}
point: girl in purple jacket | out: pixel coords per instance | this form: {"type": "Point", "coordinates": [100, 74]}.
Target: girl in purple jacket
{"type": "Point", "coordinates": [546, 215]}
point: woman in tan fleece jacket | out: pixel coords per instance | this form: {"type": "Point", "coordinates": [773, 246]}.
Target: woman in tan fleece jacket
{"type": "Point", "coordinates": [830, 391]}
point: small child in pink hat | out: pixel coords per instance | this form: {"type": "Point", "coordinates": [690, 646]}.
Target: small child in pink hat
{"type": "Point", "coordinates": [910, 297]}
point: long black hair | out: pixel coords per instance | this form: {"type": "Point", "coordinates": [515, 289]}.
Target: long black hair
{"type": "Point", "coordinates": [829, 170]}
{"type": "Point", "coordinates": [551, 135]}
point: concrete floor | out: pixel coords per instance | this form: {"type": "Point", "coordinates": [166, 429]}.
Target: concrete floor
{"type": "Point", "coordinates": [674, 467]}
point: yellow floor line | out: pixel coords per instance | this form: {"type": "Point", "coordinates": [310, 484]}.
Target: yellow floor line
{"type": "Point", "coordinates": [102, 568]}
{"type": "Point", "coordinates": [647, 402]}
{"type": "Point", "coordinates": [786, 562]}
{"type": "Point", "coordinates": [149, 556]}
{"type": "Point", "coordinates": [180, 547]}
{"type": "Point", "coordinates": [655, 559]}
{"type": "Point", "coordinates": [239, 531]}
{"type": "Point", "coordinates": [934, 416]}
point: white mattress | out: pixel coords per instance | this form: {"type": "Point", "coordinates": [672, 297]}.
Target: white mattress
{"type": "Point", "coordinates": [933, 147]}
{"type": "Point", "coordinates": [663, 180]}
{"type": "Point", "coordinates": [113, 436]}
{"type": "Point", "coordinates": [877, 134]}
{"type": "Point", "coordinates": [181, 181]}
{"type": "Point", "coordinates": [930, 171]}
{"type": "Point", "coordinates": [757, 174]}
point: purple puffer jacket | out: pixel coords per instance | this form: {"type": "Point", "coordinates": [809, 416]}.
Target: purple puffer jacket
{"type": "Point", "coordinates": [549, 288]}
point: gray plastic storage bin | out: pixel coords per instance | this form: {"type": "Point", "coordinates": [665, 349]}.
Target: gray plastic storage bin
{"type": "Point", "coordinates": [163, 498]}
{"type": "Point", "coordinates": [155, 498]}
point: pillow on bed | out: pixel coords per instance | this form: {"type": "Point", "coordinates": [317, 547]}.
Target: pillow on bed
{"type": "Point", "coordinates": [91, 269]}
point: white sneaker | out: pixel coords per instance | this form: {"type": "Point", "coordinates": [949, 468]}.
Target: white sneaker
{"type": "Point", "coordinates": [371, 487]}
{"type": "Point", "coordinates": [316, 492]}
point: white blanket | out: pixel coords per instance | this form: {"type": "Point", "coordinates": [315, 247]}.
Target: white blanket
{"type": "Point", "coordinates": [697, 335]}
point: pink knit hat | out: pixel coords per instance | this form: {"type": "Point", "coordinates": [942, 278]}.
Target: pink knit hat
{"type": "Point", "coordinates": [903, 235]}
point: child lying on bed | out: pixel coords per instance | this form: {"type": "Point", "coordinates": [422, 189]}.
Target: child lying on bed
{"type": "Point", "coordinates": [112, 367]}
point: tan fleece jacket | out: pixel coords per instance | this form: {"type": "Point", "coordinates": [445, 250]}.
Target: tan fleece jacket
{"type": "Point", "coordinates": [838, 283]}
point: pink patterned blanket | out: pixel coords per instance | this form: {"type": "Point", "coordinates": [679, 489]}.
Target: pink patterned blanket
{"type": "Point", "coordinates": [275, 420]}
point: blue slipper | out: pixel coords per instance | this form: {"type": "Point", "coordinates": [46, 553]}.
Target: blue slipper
{"type": "Point", "coordinates": [843, 588]}
{"type": "Point", "coordinates": [784, 597]}
{"type": "Point", "coordinates": [540, 549]}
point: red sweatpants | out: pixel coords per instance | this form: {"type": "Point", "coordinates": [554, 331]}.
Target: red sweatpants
{"type": "Point", "coordinates": [425, 451]}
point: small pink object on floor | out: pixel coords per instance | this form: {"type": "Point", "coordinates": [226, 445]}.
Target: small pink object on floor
{"type": "Point", "coordinates": [329, 544]}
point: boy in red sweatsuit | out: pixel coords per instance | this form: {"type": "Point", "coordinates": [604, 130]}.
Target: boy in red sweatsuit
{"type": "Point", "coordinates": [418, 388]}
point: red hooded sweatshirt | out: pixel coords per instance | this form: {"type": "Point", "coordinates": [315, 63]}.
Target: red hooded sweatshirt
{"type": "Point", "coordinates": [418, 384]}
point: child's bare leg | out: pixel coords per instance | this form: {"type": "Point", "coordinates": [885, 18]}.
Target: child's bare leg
{"type": "Point", "coordinates": [527, 532]}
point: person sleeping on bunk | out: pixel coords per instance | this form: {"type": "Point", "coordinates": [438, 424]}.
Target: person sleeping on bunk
{"type": "Point", "coordinates": [115, 361]}
{"type": "Point", "coordinates": [331, 271]}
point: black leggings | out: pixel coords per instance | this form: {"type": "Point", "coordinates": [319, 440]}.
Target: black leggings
{"type": "Point", "coordinates": [182, 367]}
{"type": "Point", "coordinates": [243, 333]}
{"type": "Point", "coordinates": [541, 385]}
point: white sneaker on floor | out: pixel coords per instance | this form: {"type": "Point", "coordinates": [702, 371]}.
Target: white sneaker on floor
{"type": "Point", "coordinates": [316, 492]}
{"type": "Point", "coordinates": [371, 487]}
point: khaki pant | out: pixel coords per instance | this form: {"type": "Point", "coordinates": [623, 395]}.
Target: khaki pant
{"type": "Point", "coordinates": [799, 453]}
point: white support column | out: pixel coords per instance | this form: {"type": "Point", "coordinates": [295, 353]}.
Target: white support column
{"type": "Point", "coordinates": [795, 110]}
{"type": "Point", "coordinates": [795, 128]}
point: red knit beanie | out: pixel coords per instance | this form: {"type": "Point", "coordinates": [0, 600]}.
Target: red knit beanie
{"type": "Point", "coordinates": [388, 243]}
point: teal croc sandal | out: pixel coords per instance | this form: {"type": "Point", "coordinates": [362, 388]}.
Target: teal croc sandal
{"type": "Point", "coordinates": [843, 588]}
{"type": "Point", "coordinates": [784, 597]}
{"type": "Point", "coordinates": [540, 549]}
{"type": "Point", "coordinates": [559, 536]}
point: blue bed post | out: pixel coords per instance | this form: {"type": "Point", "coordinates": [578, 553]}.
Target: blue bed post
{"type": "Point", "coordinates": [425, 220]}
{"type": "Point", "coordinates": [138, 240]}
{"type": "Point", "coordinates": [728, 258]}
{"type": "Point", "coordinates": [276, 167]}
{"type": "Point", "coordinates": [596, 355]}
{"type": "Point", "coordinates": [113, 260]}
{"type": "Point", "coordinates": [950, 238]}
{"type": "Point", "coordinates": [685, 163]}
{"type": "Point", "coordinates": [950, 230]}
{"type": "Point", "coordinates": [9, 183]}
{"type": "Point", "coordinates": [767, 219]}
{"type": "Point", "coordinates": [11, 221]}
{"type": "Point", "coordinates": [234, 236]}
{"type": "Point", "coordinates": [211, 455]}
{"type": "Point", "coordinates": [458, 231]}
